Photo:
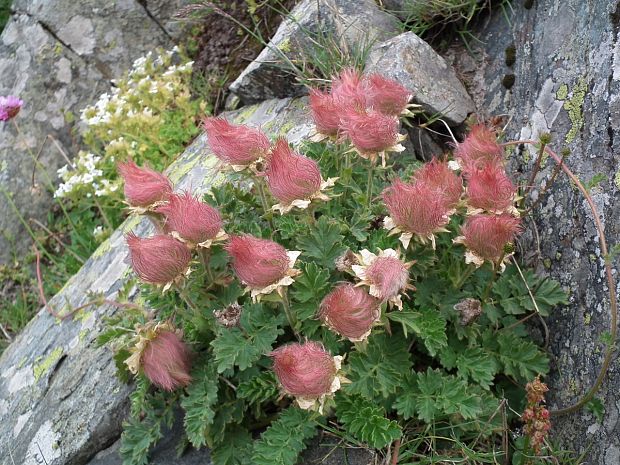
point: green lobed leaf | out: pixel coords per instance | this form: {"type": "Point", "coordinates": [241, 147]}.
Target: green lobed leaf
{"type": "Point", "coordinates": [379, 371]}
{"type": "Point", "coordinates": [478, 365]}
{"type": "Point", "coordinates": [520, 358]}
{"type": "Point", "coordinates": [310, 286]}
{"type": "Point", "coordinates": [235, 449]}
{"type": "Point", "coordinates": [323, 242]}
{"type": "Point", "coordinates": [366, 421]}
{"type": "Point", "coordinates": [198, 404]}
{"type": "Point", "coordinates": [259, 389]}
{"type": "Point", "coordinates": [428, 325]}
{"type": "Point", "coordinates": [234, 347]}
{"type": "Point", "coordinates": [284, 440]}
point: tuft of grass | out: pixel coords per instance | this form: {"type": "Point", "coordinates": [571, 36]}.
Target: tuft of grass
{"type": "Point", "coordinates": [5, 12]}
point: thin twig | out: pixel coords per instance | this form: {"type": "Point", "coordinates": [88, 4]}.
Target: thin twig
{"type": "Point", "coordinates": [395, 452]}
{"type": "Point", "coordinates": [611, 283]}
{"type": "Point", "coordinates": [6, 334]}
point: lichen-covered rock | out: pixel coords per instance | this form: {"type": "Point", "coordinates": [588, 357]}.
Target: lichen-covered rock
{"type": "Point", "coordinates": [565, 59]}
{"type": "Point", "coordinates": [411, 61]}
{"type": "Point", "coordinates": [353, 25]}
{"type": "Point", "coordinates": [58, 56]}
{"type": "Point", "coordinates": [60, 401]}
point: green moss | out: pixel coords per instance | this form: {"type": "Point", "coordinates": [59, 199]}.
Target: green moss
{"type": "Point", "coordinates": [43, 366]}
{"type": "Point", "coordinates": [285, 46]}
{"type": "Point", "coordinates": [508, 81]}
{"type": "Point", "coordinates": [547, 263]}
{"type": "Point", "coordinates": [617, 179]}
{"type": "Point", "coordinates": [286, 127]}
{"type": "Point", "coordinates": [587, 319]}
{"type": "Point", "coordinates": [562, 92]}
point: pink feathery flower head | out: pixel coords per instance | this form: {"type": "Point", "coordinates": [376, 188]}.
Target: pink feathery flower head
{"type": "Point", "coordinates": [370, 131]}
{"type": "Point", "coordinates": [490, 189]}
{"type": "Point", "coordinates": [166, 361]}
{"type": "Point", "coordinates": [9, 107]}
{"type": "Point", "coordinates": [326, 112]}
{"type": "Point", "coordinates": [238, 145]}
{"type": "Point", "coordinates": [388, 275]}
{"type": "Point", "coordinates": [291, 176]}
{"type": "Point", "coordinates": [387, 96]}
{"type": "Point", "coordinates": [487, 235]}
{"type": "Point", "coordinates": [144, 187]}
{"type": "Point", "coordinates": [159, 259]}
{"type": "Point", "coordinates": [305, 370]}
{"type": "Point", "coordinates": [479, 148]}
{"type": "Point", "coordinates": [191, 219]}
{"type": "Point", "coordinates": [437, 174]}
{"type": "Point", "coordinates": [350, 89]}
{"type": "Point", "coordinates": [257, 262]}
{"type": "Point", "coordinates": [349, 311]}
{"type": "Point", "coordinates": [416, 208]}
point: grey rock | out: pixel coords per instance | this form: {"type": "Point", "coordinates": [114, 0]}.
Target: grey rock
{"type": "Point", "coordinates": [58, 56]}
{"type": "Point", "coordinates": [567, 83]}
{"type": "Point", "coordinates": [352, 25]}
{"type": "Point", "coordinates": [411, 61]}
{"type": "Point", "coordinates": [60, 401]}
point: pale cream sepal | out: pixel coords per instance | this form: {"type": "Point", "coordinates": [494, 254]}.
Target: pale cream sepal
{"type": "Point", "coordinates": [286, 280]}
{"type": "Point", "coordinates": [302, 204]}
{"type": "Point", "coordinates": [145, 334]}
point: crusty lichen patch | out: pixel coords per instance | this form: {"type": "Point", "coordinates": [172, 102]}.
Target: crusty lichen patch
{"type": "Point", "coordinates": [617, 179]}
{"type": "Point", "coordinates": [574, 106]}
{"type": "Point", "coordinates": [43, 366]}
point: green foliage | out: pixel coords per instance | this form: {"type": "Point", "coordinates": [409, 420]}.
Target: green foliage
{"type": "Point", "coordinates": [198, 404]}
{"type": "Point", "coordinates": [366, 421]}
{"type": "Point", "coordinates": [428, 325]}
{"type": "Point", "coordinates": [379, 371]}
{"type": "Point", "coordinates": [285, 438]}
{"type": "Point", "coordinates": [323, 242]}
{"type": "Point", "coordinates": [520, 358]}
{"type": "Point", "coordinates": [243, 346]}
{"type": "Point", "coordinates": [259, 389]}
{"type": "Point", "coordinates": [235, 451]}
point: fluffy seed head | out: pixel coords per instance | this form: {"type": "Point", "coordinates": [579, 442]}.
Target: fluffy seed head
{"type": "Point", "coordinates": [9, 107]}
{"type": "Point", "coordinates": [193, 220]}
{"type": "Point", "coordinates": [389, 275]}
{"type": "Point", "coordinates": [479, 147]}
{"type": "Point", "coordinates": [350, 311]}
{"type": "Point", "coordinates": [325, 112]}
{"type": "Point", "coordinates": [489, 188]}
{"type": "Point", "coordinates": [436, 174]}
{"type": "Point", "coordinates": [305, 370]}
{"type": "Point", "coordinates": [350, 89]}
{"type": "Point", "coordinates": [158, 259]}
{"type": "Point", "coordinates": [235, 144]}
{"type": "Point", "coordinates": [257, 262]}
{"type": "Point", "coordinates": [416, 208]}
{"type": "Point", "coordinates": [370, 131]}
{"type": "Point", "coordinates": [166, 361]}
{"type": "Point", "coordinates": [291, 176]}
{"type": "Point", "coordinates": [386, 95]}
{"type": "Point", "coordinates": [144, 186]}
{"type": "Point", "coordinates": [487, 235]}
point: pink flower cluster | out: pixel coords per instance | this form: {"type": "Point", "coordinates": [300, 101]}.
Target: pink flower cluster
{"type": "Point", "coordinates": [9, 107]}
{"type": "Point", "coordinates": [422, 207]}
{"type": "Point", "coordinates": [187, 222]}
{"type": "Point", "coordinates": [363, 109]}
{"type": "Point", "coordinates": [490, 197]}
{"type": "Point", "coordinates": [350, 311]}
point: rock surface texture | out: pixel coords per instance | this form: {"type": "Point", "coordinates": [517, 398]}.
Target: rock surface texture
{"type": "Point", "coordinates": [567, 83]}
{"type": "Point", "coordinates": [411, 61]}
{"type": "Point", "coordinates": [60, 401]}
{"type": "Point", "coordinates": [309, 26]}
{"type": "Point", "coordinates": [58, 56]}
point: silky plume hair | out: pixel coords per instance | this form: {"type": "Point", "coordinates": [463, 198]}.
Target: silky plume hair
{"type": "Point", "coordinates": [389, 275]}
{"type": "Point", "coordinates": [159, 259]}
{"type": "Point", "coordinates": [490, 188]}
{"type": "Point", "coordinates": [386, 95]}
{"type": "Point", "coordinates": [257, 262]}
{"type": "Point", "coordinates": [437, 174]}
{"type": "Point", "coordinates": [235, 144]}
{"type": "Point", "coordinates": [479, 148]}
{"type": "Point", "coordinates": [191, 219]}
{"type": "Point", "coordinates": [143, 186]}
{"type": "Point", "coordinates": [166, 361]}
{"type": "Point", "coordinates": [349, 311]}
{"type": "Point", "coordinates": [487, 235]}
{"type": "Point", "coordinates": [370, 131]}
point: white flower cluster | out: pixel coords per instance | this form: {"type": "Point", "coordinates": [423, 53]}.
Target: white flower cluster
{"type": "Point", "coordinates": [85, 172]}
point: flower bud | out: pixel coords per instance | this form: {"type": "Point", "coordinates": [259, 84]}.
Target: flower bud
{"type": "Point", "coordinates": [479, 148]}
{"type": "Point", "coordinates": [486, 235]}
{"type": "Point", "coordinates": [158, 259]}
{"type": "Point", "coordinates": [387, 96]}
{"type": "Point", "coordinates": [325, 112]}
{"type": "Point", "coordinates": [144, 187]}
{"type": "Point", "coordinates": [305, 370]}
{"type": "Point", "coordinates": [490, 189]}
{"type": "Point", "coordinates": [193, 220]}
{"type": "Point", "coordinates": [257, 262]}
{"type": "Point", "coordinates": [166, 361]}
{"type": "Point", "coordinates": [370, 131]}
{"type": "Point", "coordinates": [349, 311]}
{"type": "Point", "coordinates": [238, 145]}
{"type": "Point", "coordinates": [291, 176]}
{"type": "Point", "coordinates": [416, 208]}
{"type": "Point", "coordinates": [438, 175]}
{"type": "Point", "coordinates": [9, 107]}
